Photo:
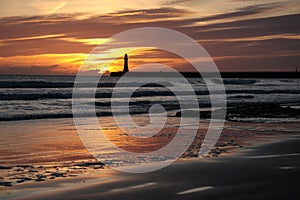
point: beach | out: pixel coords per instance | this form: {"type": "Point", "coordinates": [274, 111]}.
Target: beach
{"type": "Point", "coordinates": [262, 171]}
{"type": "Point", "coordinates": [51, 162]}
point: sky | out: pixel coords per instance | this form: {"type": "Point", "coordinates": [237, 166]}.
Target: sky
{"type": "Point", "coordinates": [54, 37]}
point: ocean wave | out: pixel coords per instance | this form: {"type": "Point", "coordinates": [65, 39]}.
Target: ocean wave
{"type": "Point", "coordinates": [84, 95]}
{"type": "Point", "coordinates": [45, 84]}
{"type": "Point", "coordinates": [235, 81]}
{"type": "Point", "coordinates": [145, 93]}
{"type": "Point", "coordinates": [242, 97]}
{"type": "Point", "coordinates": [34, 116]}
{"type": "Point", "coordinates": [257, 91]}
{"type": "Point", "coordinates": [134, 110]}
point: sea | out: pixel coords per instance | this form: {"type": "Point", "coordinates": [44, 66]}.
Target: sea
{"type": "Point", "coordinates": [47, 97]}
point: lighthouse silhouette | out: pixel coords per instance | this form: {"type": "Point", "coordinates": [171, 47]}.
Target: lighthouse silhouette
{"type": "Point", "coordinates": [125, 69]}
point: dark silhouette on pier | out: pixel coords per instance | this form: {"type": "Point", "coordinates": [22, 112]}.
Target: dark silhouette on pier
{"type": "Point", "coordinates": [125, 69]}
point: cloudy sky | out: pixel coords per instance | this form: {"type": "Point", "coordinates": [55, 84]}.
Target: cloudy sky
{"type": "Point", "coordinates": [55, 36]}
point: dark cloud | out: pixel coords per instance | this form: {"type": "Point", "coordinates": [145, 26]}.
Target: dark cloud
{"type": "Point", "coordinates": [173, 2]}
{"type": "Point", "coordinates": [243, 0]}
{"type": "Point", "coordinates": [43, 46]}
{"type": "Point", "coordinates": [164, 11]}
{"type": "Point", "coordinates": [259, 63]}
{"type": "Point", "coordinates": [245, 11]}
{"type": "Point", "coordinates": [251, 27]}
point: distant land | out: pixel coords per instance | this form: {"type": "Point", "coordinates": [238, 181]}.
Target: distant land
{"type": "Point", "coordinates": [211, 74]}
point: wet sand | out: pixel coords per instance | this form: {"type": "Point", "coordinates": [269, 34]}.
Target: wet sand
{"type": "Point", "coordinates": [262, 171]}
{"type": "Point", "coordinates": [46, 160]}
{"type": "Point", "coordinates": [51, 149]}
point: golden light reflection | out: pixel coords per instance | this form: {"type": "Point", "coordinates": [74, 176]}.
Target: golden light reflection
{"type": "Point", "coordinates": [70, 62]}
{"type": "Point", "coordinates": [137, 144]}
{"type": "Point", "coordinates": [33, 37]}
{"type": "Point", "coordinates": [90, 41]}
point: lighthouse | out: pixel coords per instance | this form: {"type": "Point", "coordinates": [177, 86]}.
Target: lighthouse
{"type": "Point", "coordinates": [125, 64]}
{"type": "Point", "coordinates": [125, 69]}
